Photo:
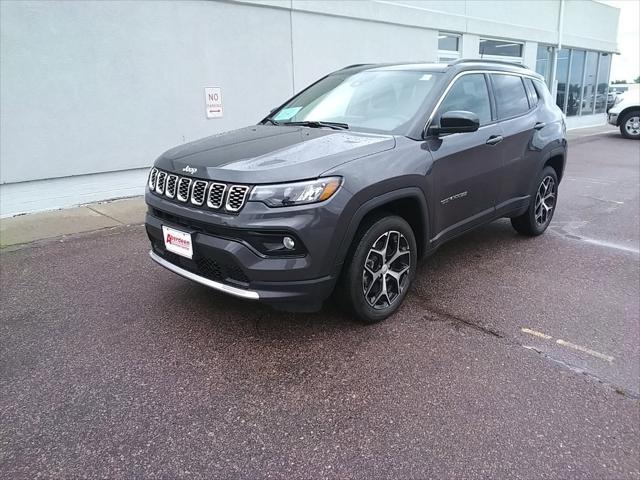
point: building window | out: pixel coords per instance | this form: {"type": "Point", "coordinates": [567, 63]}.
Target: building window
{"type": "Point", "coordinates": [562, 74]}
{"type": "Point", "coordinates": [576, 70]}
{"type": "Point", "coordinates": [543, 62]}
{"type": "Point", "coordinates": [501, 50]}
{"type": "Point", "coordinates": [583, 82]}
{"type": "Point", "coordinates": [602, 95]}
{"type": "Point", "coordinates": [589, 84]}
{"type": "Point", "coordinates": [448, 47]}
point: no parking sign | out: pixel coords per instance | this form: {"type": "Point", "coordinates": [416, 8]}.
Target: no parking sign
{"type": "Point", "coordinates": [213, 101]}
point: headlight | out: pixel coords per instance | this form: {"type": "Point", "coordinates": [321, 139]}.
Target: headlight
{"type": "Point", "coordinates": [299, 193]}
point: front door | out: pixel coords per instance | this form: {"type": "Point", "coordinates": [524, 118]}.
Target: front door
{"type": "Point", "coordinates": [466, 166]}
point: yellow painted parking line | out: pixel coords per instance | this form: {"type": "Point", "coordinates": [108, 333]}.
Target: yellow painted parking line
{"type": "Point", "coordinates": [564, 343]}
{"type": "Point", "coordinates": [536, 333]}
{"type": "Point", "coordinates": [586, 350]}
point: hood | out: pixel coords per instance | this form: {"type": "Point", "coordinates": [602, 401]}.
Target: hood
{"type": "Point", "coordinates": [267, 154]}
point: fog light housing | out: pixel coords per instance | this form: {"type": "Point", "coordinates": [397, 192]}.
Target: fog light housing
{"type": "Point", "coordinates": [275, 244]}
{"type": "Point", "coordinates": [288, 243]}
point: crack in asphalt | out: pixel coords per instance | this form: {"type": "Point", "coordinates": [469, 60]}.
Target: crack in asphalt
{"type": "Point", "coordinates": [435, 315]}
{"type": "Point", "coordinates": [616, 388]}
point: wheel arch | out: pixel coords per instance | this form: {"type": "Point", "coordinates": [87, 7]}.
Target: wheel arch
{"type": "Point", "coordinates": [621, 115]}
{"type": "Point", "coordinates": [556, 160]}
{"type": "Point", "coordinates": [408, 203]}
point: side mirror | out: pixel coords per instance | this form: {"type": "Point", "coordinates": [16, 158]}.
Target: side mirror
{"type": "Point", "coordinates": [458, 121]}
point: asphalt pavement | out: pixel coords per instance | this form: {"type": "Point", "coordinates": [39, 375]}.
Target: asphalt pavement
{"type": "Point", "coordinates": [511, 358]}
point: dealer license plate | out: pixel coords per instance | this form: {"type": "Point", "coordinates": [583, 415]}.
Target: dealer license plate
{"type": "Point", "coordinates": [177, 242]}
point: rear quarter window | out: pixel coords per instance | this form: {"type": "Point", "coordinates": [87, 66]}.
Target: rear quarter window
{"type": "Point", "coordinates": [531, 91]}
{"type": "Point", "coordinates": [511, 96]}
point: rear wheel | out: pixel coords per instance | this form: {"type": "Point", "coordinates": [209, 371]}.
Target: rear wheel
{"type": "Point", "coordinates": [630, 125]}
{"type": "Point", "coordinates": [540, 212]}
{"type": "Point", "coordinates": [381, 269]}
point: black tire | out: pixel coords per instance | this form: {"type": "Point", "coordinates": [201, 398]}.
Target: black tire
{"type": "Point", "coordinates": [630, 125]}
{"type": "Point", "coordinates": [397, 237]}
{"type": "Point", "coordinates": [537, 218]}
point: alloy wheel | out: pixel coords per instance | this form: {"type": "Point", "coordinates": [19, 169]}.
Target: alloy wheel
{"type": "Point", "coordinates": [632, 126]}
{"type": "Point", "coordinates": [545, 200]}
{"type": "Point", "coordinates": [386, 270]}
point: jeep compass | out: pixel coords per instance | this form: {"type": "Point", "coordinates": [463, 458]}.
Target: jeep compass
{"type": "Point", "coordinates": [354, 179]}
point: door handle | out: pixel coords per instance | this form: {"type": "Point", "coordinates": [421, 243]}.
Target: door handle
{"type": "Point", "coordinates": [494, 139]}
{"type": "Point", "coordinates": [539, 125]}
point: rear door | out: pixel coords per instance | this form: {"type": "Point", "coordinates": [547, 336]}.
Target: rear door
{"type": "Point", "coordinates": [466, 165]}
{"type": "Point", "coordinates": [516, 106]}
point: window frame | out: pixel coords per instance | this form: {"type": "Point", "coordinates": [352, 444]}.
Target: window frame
{"type": "Point", "coordinates": [532, 93]}
{"type": "Point", "coordinates": [486, 73]}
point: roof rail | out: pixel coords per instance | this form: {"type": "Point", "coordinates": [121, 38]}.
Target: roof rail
{"type": "Point", "coordinates": [487, 60]}
{"type": "Point", "coordinates": [356, 65]}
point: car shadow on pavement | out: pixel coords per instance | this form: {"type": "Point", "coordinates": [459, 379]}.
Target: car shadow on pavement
{"type": "Point", "coordinates": [258, 320]}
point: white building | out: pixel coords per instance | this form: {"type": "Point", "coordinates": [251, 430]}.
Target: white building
{"type": "Point", "coordinates": [93, 91]}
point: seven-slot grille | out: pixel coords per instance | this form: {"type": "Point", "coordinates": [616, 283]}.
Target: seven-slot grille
{"type": "Point", "coordinates": [198, 192]}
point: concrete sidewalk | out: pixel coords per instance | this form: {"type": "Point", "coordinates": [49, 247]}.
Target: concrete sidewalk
{"type": "Point", "coordinates": [56, 223]}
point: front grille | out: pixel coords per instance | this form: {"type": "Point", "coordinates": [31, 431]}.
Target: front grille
{"type": "Point", "coordinates": [201, 193]}
{"type": "Point", "coordinates": [162, 178]}
{"type": "Point", "coordinates": [235, 199]}
{"type": "Point", "coordinates": [184, 184]}
{"type": "Point", "coordinates": [152, 178]}
{"type": "Point", "coordinates": [172, 184]}
{"type": "Point", "coordinates": [218, 270]}
{"type": "Point", "coordinates": [198, 191]}
{"type": "Point", "coordinates": [216, 195]}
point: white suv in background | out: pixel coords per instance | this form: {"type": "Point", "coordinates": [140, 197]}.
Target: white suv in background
{"type": "Point", "coordinates": [626, 113]}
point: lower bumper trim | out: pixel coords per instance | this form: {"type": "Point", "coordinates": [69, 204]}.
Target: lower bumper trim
{"type": "Point", "coordinates": [238, 292]}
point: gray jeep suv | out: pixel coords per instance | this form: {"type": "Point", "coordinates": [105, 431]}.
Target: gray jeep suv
{"type": "Point", "coordinates": [354, 179]}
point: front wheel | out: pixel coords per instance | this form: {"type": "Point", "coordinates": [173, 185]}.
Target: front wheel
{"type": "Point", "coordinates": [538, 216]}
{"type": "Point", "coordinates": [630, 125]}
{"type": "Point", "coordinates": [381, 269]}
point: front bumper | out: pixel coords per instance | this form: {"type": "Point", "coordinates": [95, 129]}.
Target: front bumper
{"type": "Point", "coordinates": [230, 265]}
{"type": "Point", "coordinates": [612, 118]}
{"type": "Point", "coordinates": [236, 292]}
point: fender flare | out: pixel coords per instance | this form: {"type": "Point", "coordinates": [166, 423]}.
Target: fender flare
{"type": "Point", "coordinates": [554, 153]}
{"type": "Point", "coordinates": [367, 207]}
{"type": "Point", "coordinates": [562, 150]}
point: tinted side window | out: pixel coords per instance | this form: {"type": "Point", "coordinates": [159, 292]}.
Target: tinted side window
{"type": "Point", "coordinates": [469, 93]}
{"type": "Point", "coordinates": [533, 95]}
{"type": "Point", "coordinates": [511, 97]}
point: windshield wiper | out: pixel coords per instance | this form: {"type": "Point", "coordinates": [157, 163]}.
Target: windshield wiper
{"type": "Point", "coordinates": [271, 119]}
{"type": "Point", "coordinates": [319, 124]}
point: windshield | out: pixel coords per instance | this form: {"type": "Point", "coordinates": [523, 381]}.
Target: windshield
{"type": "Point", "coordinates": [378, 101]}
